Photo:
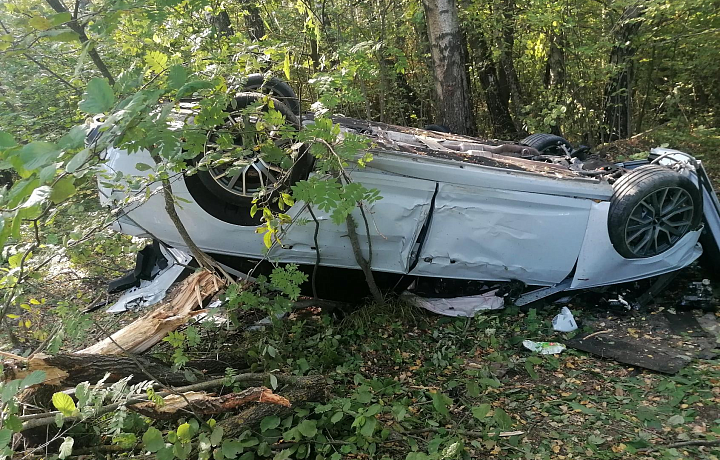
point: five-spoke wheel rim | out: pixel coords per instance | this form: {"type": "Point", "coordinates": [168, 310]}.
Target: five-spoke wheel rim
{"type": "Point", "coordinates": [659, 221]}
{"type": "Point", "coordinates": [254, 175]}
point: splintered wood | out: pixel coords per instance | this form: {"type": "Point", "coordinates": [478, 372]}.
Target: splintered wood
{"type": "Point", "coordinates": [185, 302]}
{"type": "Point", "coordinates": [204, 403]}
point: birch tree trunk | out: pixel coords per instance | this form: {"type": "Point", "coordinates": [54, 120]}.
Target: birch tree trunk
{"type": "Point", "coordinates": [452, 89]}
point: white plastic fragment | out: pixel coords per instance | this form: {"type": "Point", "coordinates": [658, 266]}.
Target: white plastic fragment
{"type": "Point", "coordinates": [457, 306]}
{"type": "Point", "coordinates": [564, 321]}
{"type": "Point", "coordinates": [153, 291]}
{"type": "Point", "coordinates": [544, 348]}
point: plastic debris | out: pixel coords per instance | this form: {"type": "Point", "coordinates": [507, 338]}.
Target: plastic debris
{"type": "Point", "coordinates": [564, 321]}
{"type": "Point", "coordinates": [544, 348]}
{"type": "Point", "coordinates": [457, 306]}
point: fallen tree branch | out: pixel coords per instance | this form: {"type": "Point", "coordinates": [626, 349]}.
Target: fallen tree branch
{"type": "Point", "coordinates": [205, 404]}
{"type": "Point", "coordinates": [71, 369]}
{"type": "Point", "coordinates": [697, 442]}
{"type": "Point", "coordinates": [250, 379]}
{"type": "Point", "coordinates": [146, 331]}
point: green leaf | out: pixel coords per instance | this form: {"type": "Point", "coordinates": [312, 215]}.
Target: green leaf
{"type": "Point", "coordinates": [63, 189]}
{"type": "Point", "coordinates": [98, 97]}
{"type": "Point", "coordinates": [64, 403]}
{"type": "Point", "coordinates": [153, 440]}
{"type": "Point", "coordinates": [156, 60]}
{"type": "Point", "coordinates": [185, 432]}
{"type": "Point", "coordinates": [36, 154]}
{"type": "Point", "coordinates": [61, 18]}
{"type": "Point", "coordinates": [502, 419]}
{"type": "Point", "coordinates": [481, 411]}
{"type": "Point", "coordinates": [308, 428]}
{"type": "Point", "coordinates": [14, 423]}
{"type": "Point", "coordinates": [165, 453]}
{"type": "Point", "coordinates": [217, 435]}
{"type": "Point", "coordinates": [286, 65]}
{"type": "Point", "coordinates": [62, 35]}
{"type": "Point", "coordinates": [35, 378]}
{"type": "Point", "coordinates": [5, 437]}
{"type": "Point", "coordinates": [676, 420]}
{"type": "Point", "coordinates": [336, 417]}
{"type": "Point", "coordinates": [77, 161]}
{"type": "Point", "coordinates": [6, 141]}
{"type": "Point", "coordinates": [440, 403]}
{"type": "Point", "coordinates": [270, 423]}
{"type": "Point", "coordinates": [74, 138]}
{"type": "Point", "coordinates": [66, 448]}
{"type": "Point", "coordinates": [142, 167]}
{"type": "Point", "coordinates": [177, 76]}
{"type": "Point", "coordinates": [368, 427]}
{"type": "Point", "coordinates": [230, 449]}
{"type": "Point", "coordinates": [191, 87]}
{"type": "Point", "coordinates": [40, 23]}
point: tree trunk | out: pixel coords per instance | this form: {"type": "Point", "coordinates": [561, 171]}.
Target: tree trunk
{"type": "Point", "coordinates": [253, 21]}
{"type": "Point", "coordinates": [507, 64]}
{"type": "Point", "coordinates": [617, 114]}
{"type": "Point", "coordinates": [68, 370]}
{"type": "Point", "coordinates": [221, 23]}
{"type": "Point", "coordinates": [452, 88]}
{"type": "Point", "coordinates": [500, 118]}
{"type": "Point", "coordinates": [554, 78]}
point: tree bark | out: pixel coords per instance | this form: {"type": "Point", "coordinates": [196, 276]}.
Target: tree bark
{"type": "Point", "coordinates": [497, 105]}
{"type": "Point", "coordinates": [201, 403]}
{"type": "Point", "coordinates": [507, 64]}
{"type": "Point", "coordinates": [253, 21]}
{"type": "Point", "coordinates": [554, 78]}
{"type": "Point", "coordinates": [76, 27]}
{"type": "Point", "coordinates": [221, 23]}
{"type": "Point", "coordinates": [452, 88]}
{"type": "Point", "coordinates": [298, 392]}
{"type": "Point", "coordinates": [70, 369]}
{"type": "Point", "coordinates": [617, 114]}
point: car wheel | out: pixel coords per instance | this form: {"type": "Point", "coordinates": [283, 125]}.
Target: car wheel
{"type": "Point", "coordinates": [651, 209]}
{"type": "Point", "coordinates": [227, 191]}
{"type": "Point", "coordinates": [275, 87]}
{"type": "Point", "coordinates": [548, 144]}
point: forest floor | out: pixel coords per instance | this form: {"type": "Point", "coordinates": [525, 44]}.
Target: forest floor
{"type": "Point", "coordinates": [567, 406]}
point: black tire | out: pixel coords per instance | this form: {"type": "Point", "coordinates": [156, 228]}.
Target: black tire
{"type": "Point", "coordinates": [231, 207]}
{"type": "Point", "coordinates": [651, 209]}
{"type": "Point", "coordinates": [547, 144]}
{"type": "Point", "coordinates": [275, 87]}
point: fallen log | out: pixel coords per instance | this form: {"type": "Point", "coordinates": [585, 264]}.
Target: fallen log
{"type": "Point", "coordinates": [182, 305]}
{"type": "Point", "coordinates": [201, 403]}
{"type": "Point", "coordinates": [298, 390]}
{"type": "Point", "coordinates": [70, 369]}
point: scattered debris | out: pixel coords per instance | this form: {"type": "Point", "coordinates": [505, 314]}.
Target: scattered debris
{"type": "Point", "coordinates": [457, 306]}
{"type": "Point", "coordinates": [153, 291]}
{"type": "Point", "coordinates": [564, 321]}
{"type": "Point", "coordinates": [149, 329]}
{"type": "Point", "coordinates": [701, 295]}
{"type": "Point", "coordinates": [544, 348]}
{"type": "Point", "coordinates": [637, 352]}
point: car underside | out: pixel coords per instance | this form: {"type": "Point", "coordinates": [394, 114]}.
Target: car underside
{"type": "Point", "coordinates": [539, 212]}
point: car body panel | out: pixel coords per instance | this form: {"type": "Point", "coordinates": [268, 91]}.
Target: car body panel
{"type": "Point", "coordinates": [599, 264]}
{"type": "Point", "coordinates": [498, 234]}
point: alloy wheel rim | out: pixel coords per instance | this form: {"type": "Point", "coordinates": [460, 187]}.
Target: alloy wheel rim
{"type": "Point", "coordinates": [659, 221]}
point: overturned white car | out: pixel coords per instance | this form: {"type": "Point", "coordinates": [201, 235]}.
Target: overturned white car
{"type": "Point", "coordinates": [457, 207]}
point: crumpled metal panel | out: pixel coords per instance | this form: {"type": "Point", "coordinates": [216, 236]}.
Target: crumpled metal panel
{"type": "Point", "coordinates": [599, 264]}
{"type": "Point", "coordinates": [493, 234]}
{"type": "Point", "coordinates": [395, 222]}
